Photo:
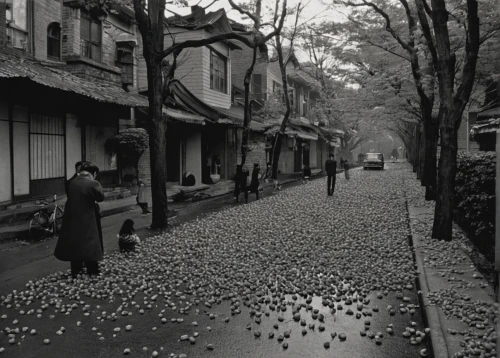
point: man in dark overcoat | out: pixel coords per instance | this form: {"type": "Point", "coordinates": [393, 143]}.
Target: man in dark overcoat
{"type": "Point", "coordinates": [331, 172]}
{"type": "Point", "coordinates": [79, 238]}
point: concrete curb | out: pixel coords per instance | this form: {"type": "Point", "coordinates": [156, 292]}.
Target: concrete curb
{"type": "Point", "coordinates": [446, 337]}
{"type": "Point", "coordinates": [438, 342]}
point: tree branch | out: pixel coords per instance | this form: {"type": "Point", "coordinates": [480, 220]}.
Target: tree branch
{"type": "Point", "coordinates": [388, 26]}
{"type": "Point", "coordinates": [208, 41]}
{"type": "Point", "coordinates": [388, 50]}
{"type": "Point", "coordinates": [244, 12]}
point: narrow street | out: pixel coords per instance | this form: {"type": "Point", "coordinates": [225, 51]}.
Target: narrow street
{"type": "Point", "coordinates": [297, 274]}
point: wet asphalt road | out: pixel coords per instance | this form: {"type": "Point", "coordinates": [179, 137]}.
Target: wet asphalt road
{"type": "Point", "coordinates": [22, 263]}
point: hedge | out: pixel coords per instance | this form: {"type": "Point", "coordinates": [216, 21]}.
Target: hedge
{"type": "Point", "coordinates": [474, 199]}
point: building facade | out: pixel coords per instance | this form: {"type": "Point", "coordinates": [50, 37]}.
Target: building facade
{"type": "Point", "coordinates": [68, 77]}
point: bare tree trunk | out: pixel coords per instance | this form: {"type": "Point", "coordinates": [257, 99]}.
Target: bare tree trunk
{"type": "Point", "coordinates": [421, 158]}
{"type": "Point", "coordinates": [431, 129]}
{"type": "Point", "coordinates": [276, 151]}
{"type": "Point", "coordinates": [416, 151]}
{"type": "Point", "coordinates": [157, 144]}
{"type": "Point", "coordinates": [247, 110]}
{"type": "Point", "coordinates": [443, 219]}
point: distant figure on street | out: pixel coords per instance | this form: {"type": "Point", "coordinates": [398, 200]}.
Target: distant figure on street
{"type": "Point", "coordinates": [255, 183]}
{"type": "Point", "coordinates": [240, 180]}
{"type": "Point", "coordinates": [80, 240]}
{"type": "Point", "coordinates": [331, 172]}
{"type": "Point", "coordinates": [395, 154]}
{"type": "Point", "coordinates": [306, 174]}
{"type": "Point", "coordinates": [346, 169]}
{"type": "Point", "coordinates": [127, 239]}
{"type": "Point", "coordinates": [141, 199]}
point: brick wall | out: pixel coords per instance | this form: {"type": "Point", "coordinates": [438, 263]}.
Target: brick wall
{"type": "Point", "coordinates": [106, 70]}
{"type": "Point", "coordinates": [3, 30]}
{"type": "Point", "coordinates": [44, 13]}
{"type": "Point", "coordinates": [71, 32]}
{"type": "Point", "coordinates": [85, 69]}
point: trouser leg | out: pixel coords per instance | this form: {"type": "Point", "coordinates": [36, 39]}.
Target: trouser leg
{"type": "Point", "coordinates": [237, 192]}
{"type": "Point", "coordinates": [257, 194]}
{"type": "Point", "coordinates": [246, 194]}
{"type": "Point", "coordinates": [329, 184]}
{"type": "Point", "coordinates": [76, 268]}
{"type": "Point", "coordinates": [92, 267]}
{"type": "Point", "coordinates": [144, 207]}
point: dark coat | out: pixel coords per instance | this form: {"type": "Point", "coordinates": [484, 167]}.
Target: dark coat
{"type": "Point", "coordinates": [306, 172]}
{"type": "Point", "coordinates": [79, 237]}
{"type": "Point", "coordinates": [331, 167]}
{"type": "Point", "coordinates": [254, 184]}
{"type": "Point", "coordinates": [66, 184]}
{"type": "Point", "coordinates": [243, 179]}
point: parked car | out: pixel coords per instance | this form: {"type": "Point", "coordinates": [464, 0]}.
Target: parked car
{"type": "Point", "coordinates": [374, 160]}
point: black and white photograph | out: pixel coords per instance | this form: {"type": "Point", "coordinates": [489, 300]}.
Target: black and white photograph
{"type": "Point", "coordinates": [249, 178]}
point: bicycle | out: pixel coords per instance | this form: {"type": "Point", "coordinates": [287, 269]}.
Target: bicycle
{"type": "Point", "coordinates": [44, 224]}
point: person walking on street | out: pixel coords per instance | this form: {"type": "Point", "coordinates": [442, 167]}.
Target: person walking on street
{"type": "Point", "coordinates": [241, 182]}
{"type": "Point", "coordinates": [345, 165]}
{"type": "Point", "coordinates": [395, 154]}
{"type": "Point", "coordinates": [79, 239]}
{"type": "Point", "coordinates": [306, 174]}
{"type": "Point", "coordinates": [141, 199]}
{"type": "Point", "coordinates": [255, 183]}
{"type": "Point", "coordinates": [331, 172]}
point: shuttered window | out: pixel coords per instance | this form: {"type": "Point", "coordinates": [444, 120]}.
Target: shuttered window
{"type": "Point", "coordinates": [47, 152]}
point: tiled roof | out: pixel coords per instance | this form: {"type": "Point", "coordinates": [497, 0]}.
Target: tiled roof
{"type": "Point", "coordinates": [15, 67]}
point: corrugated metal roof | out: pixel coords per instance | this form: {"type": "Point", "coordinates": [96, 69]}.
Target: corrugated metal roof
{"type": "Point", "coordinates": [183, 116]}
{"type": "Point", "coordinates": [15, 67]}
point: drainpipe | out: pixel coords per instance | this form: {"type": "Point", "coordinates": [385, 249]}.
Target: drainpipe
{"type": "Point", "coordinates": [132, 116]}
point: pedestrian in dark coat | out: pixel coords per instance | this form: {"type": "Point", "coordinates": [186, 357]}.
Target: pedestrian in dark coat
{"type": "Point", "coordinates": [306, 174]}
{"type": "Point", "coordinates": [79, 238]}
{"type": "Point", "coordinates": [241, 179]}
{"type": "Point", "coordinates": [346, 169]}
{"type": "Point", "coordinates": [255, 183]}
{"type": "Point", "coordinates": [78, 166]}
{"type": "Point", "coordinates": [331, 172]}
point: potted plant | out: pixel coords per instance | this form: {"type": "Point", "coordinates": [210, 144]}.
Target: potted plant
{"type": "Point", "coordinates": [129, 144]}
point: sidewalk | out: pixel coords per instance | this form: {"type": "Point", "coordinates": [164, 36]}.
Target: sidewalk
{"type": "Point", "coordinates": [19, 229]}
{"type": "Point", "coordinates": [458, 302]}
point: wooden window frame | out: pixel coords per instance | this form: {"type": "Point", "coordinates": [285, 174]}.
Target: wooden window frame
{"type": "Point", "coordinates": [126, 65]}
{"type": "Point", "coordinates": [86, 44]}
{"type": "Point", "coordinates": [217, 55]}
{"type": "Point", "coordinates": [54, 40]}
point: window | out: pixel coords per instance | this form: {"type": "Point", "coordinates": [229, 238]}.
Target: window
{"type": "Point", "coordinates": [291, 96]}
{"type": "Point", "coordinates": [54, 40]}
{"type": "Point", "coordinates": [16, 16]}
{"type": "Point", "coordinates": [218, 72]}
{"type": "Point", "coordinates": [125, 59]}
{"type": "Point", "coordinates": [90, 38]}
{"type": "Point", "coordinates": [306, 103]}
{"type": "Point", "coordinates": [276, 87]}
{"type": "Point", "coordinates": [257, 89]}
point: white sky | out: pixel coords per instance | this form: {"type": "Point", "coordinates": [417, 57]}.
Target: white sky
{"type": "Point", "coordinates": [317, 9]}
